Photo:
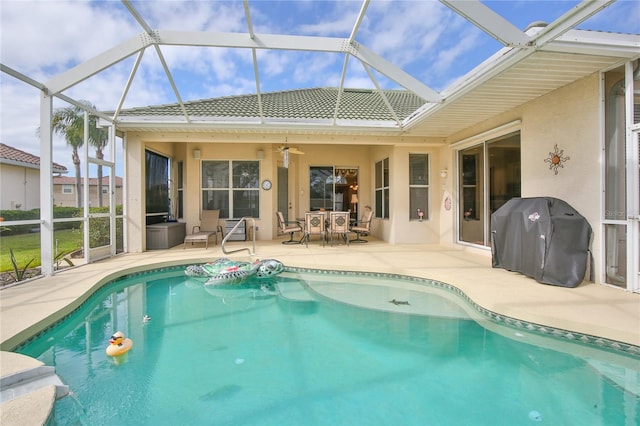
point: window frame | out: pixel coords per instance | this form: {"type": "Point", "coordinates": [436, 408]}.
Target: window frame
{"type": "Point", "coordinates": [179, 190]}
{"type": "Point", "coordinates": [414, 205]}
{"type": "Point", "coordinates": [231, 188]}
{"type": "Point", "coordinates": [473, 182]}
{"type": "Point", "coordinates": [381, 188]}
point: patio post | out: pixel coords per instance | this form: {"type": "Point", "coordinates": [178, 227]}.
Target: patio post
{"type": "Point", "coordinates": [46, 184]}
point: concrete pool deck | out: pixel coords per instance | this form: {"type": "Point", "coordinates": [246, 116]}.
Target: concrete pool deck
{"type": "Point", "coordinates": [590, 309]}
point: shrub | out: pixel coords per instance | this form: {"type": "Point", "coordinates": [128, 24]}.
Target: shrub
{"type": "Point", "coordinates": [19, 273]}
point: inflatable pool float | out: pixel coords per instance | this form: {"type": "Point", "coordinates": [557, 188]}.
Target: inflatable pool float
{"type": "Point", "coordinates": [227, 272]}
{"type": "Point", "coordinates": [118, 344]}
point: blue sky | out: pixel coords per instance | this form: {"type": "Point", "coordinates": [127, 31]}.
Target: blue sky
{"type": "Point", "coordinates": [423, 38]}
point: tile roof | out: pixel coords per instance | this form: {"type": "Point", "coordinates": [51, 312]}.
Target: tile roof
{"type": "Point", "coordinates": [314, 103]}
{"type": "Point", "coordinates": [16, 157]}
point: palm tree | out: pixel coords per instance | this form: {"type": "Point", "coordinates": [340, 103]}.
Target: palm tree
{"type": "Point", "coordinates": [69, 122]}
{"type": "Point", "coordinates": [98, 137]}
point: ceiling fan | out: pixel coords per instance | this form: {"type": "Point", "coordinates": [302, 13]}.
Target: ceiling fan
{"type": "Point", "coordinates": [286, 150]}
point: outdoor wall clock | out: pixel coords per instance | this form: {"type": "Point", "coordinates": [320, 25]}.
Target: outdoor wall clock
{"type": "Point", "coordinates": [266, 184]}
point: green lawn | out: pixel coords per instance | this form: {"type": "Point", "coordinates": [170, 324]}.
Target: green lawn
{"type": "Point", "coordinates": [27, 246]}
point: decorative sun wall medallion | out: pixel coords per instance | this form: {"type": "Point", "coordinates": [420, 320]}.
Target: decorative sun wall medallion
{"type": "Point", "coordinates": [556, 158]}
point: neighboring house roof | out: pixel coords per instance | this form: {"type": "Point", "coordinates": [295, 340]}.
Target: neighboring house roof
{"type": "Point", "coordinates": [306, 104]}
{"type": "Point", "coordinates": [15, 157]}
{"type": "Point", "coordinates": [70, 180]}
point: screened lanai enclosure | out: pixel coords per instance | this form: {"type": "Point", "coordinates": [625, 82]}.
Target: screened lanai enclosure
{"type": "Point", "coordinates": [433, 114]}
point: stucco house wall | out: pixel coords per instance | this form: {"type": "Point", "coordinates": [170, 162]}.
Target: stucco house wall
{"type": "Point", "coordinates": [572, 119]}
{"type": "Point", "coordinates": [68, 199]}
{"type": "Point", "coordinates": [569, 117]}
{"type": "Point", "coordinates": [20, 187]}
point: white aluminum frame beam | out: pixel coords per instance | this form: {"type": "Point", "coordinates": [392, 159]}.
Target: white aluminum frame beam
{"type": "Point", "coordinates": [137, 16]}
{"type": "Point", "coordinates": [505, 32]}
{"type": "Point", "coordinates": [576, 15]}
{"type": "Point", "coordinates": [489, 21]}
{"type": "Point", "coordinates": [98, 63]}
{"type": "Point", "coordinates": [595, 44]}
{"type": "Point", "coordinates": [384, 97]}
{"type": "Point", "coordinates": [17, 74]}
{"type": "Point", "coordinates": [302, 43]}
{"type": "Point", "coordinates": [238, 40]}
{"type": "Point", "coordinates": [46, 184]}
{"type": "Point", "coordinates": [167, 72]}
{"type": "Point", "coordinates": [541, 41]}
{"type": "Point", "coordinates": [254, 57]}
{"type": "Point", "coordinates": [343, 74]}
{"type": "Point", "coordinates": [127, 85]}
{"type": "Point", "coordinates": [394, 73]}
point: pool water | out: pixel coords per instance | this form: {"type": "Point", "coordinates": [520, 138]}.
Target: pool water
{"type": "Point", "coordinates": [285, 352]}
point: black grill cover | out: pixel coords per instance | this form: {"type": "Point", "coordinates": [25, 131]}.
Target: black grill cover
{"type": "Point", "coordinates": [542, 237]}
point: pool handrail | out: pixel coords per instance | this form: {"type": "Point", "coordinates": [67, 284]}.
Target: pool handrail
{"type": "Point", "coordinates": [253, 235]}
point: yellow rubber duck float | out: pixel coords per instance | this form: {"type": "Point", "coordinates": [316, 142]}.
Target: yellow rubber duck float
{"type": "Point", "coordinates": [118, 344]}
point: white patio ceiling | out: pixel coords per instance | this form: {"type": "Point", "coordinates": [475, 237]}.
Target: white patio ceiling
{"type": "Point", "coordinates": [530, 65]}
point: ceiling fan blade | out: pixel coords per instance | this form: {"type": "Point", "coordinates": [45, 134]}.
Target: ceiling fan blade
{"type": "Point", "coordinates": [291, 150]}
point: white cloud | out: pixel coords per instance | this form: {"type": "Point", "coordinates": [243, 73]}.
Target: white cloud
{"type": "Point", "coordinates": [338, 22]}
{"type": "Point", "coordinates": [18, 122]}
{"type": "Point", "coordinates": [403, 31]}
{"type": "Point", "coordinates": [425, 38]}
{"type": "Point", "coordinates": [57, 35]}
{"type": "Point", "coordinates": [446, 58]}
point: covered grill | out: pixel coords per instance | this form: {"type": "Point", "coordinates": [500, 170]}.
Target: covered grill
{"type": "Point", "coordinates": [542, 237]}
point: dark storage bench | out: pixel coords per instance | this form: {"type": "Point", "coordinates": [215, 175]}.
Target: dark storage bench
{"type": "Point", "coordinates": [165, 235]}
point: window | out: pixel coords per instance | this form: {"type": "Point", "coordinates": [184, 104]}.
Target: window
{"type": "Point", "coordinates": [382, 189]}
{"type": "Point", "coordinates": [180, 195]}
{"type": "Point", "coordinates": [157, 187]}
{"type": "Point", "coordinates": [334, 188]}
{"type": "Point", "coordinates": [418, 186]}
{"type": "Point", "coordinates": [321, 188]}
{"type": "Point", "coordinates": [67, 189]}
{"type": "Point", "coordinates": [232, 187]}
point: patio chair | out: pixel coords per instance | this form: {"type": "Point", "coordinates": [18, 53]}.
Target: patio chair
{"type": "Point", "coordinates": [288, 228]}
{"type": "Point", "coordinates": [363, 226]}
{"type": "Point", "coordinates": [339, 224]}
{"type": "Point", "coordinates": [209, 226]}
{"type": "Point", "coordinates": [314, 225]}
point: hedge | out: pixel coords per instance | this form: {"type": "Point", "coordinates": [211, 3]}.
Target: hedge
{"type": "Point", "coordinates": [34, 214]}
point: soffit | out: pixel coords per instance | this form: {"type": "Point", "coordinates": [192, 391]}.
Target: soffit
{"type": "Point", "coordinates": [537, 75]}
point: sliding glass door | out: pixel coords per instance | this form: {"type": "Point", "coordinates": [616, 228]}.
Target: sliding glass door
{"type": "Point", "coordinates": [334, 188]}
{"type": "Point", "coordinates": [488, 176]}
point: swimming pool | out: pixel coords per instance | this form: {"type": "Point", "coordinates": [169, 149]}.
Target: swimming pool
{"type": "Point", "coordinates": [320, 348]}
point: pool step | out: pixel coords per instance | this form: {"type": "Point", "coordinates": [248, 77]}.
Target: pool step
{"type": "Point", "coordinates": [295, 291]}
{"type": "Point", "coordinates": [23, 382]}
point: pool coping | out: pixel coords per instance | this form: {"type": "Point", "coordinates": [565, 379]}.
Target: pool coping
{"type": "Point", "coordinates": [33, 308]}
{"type": "Point", "coordinates": [501, 319]}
